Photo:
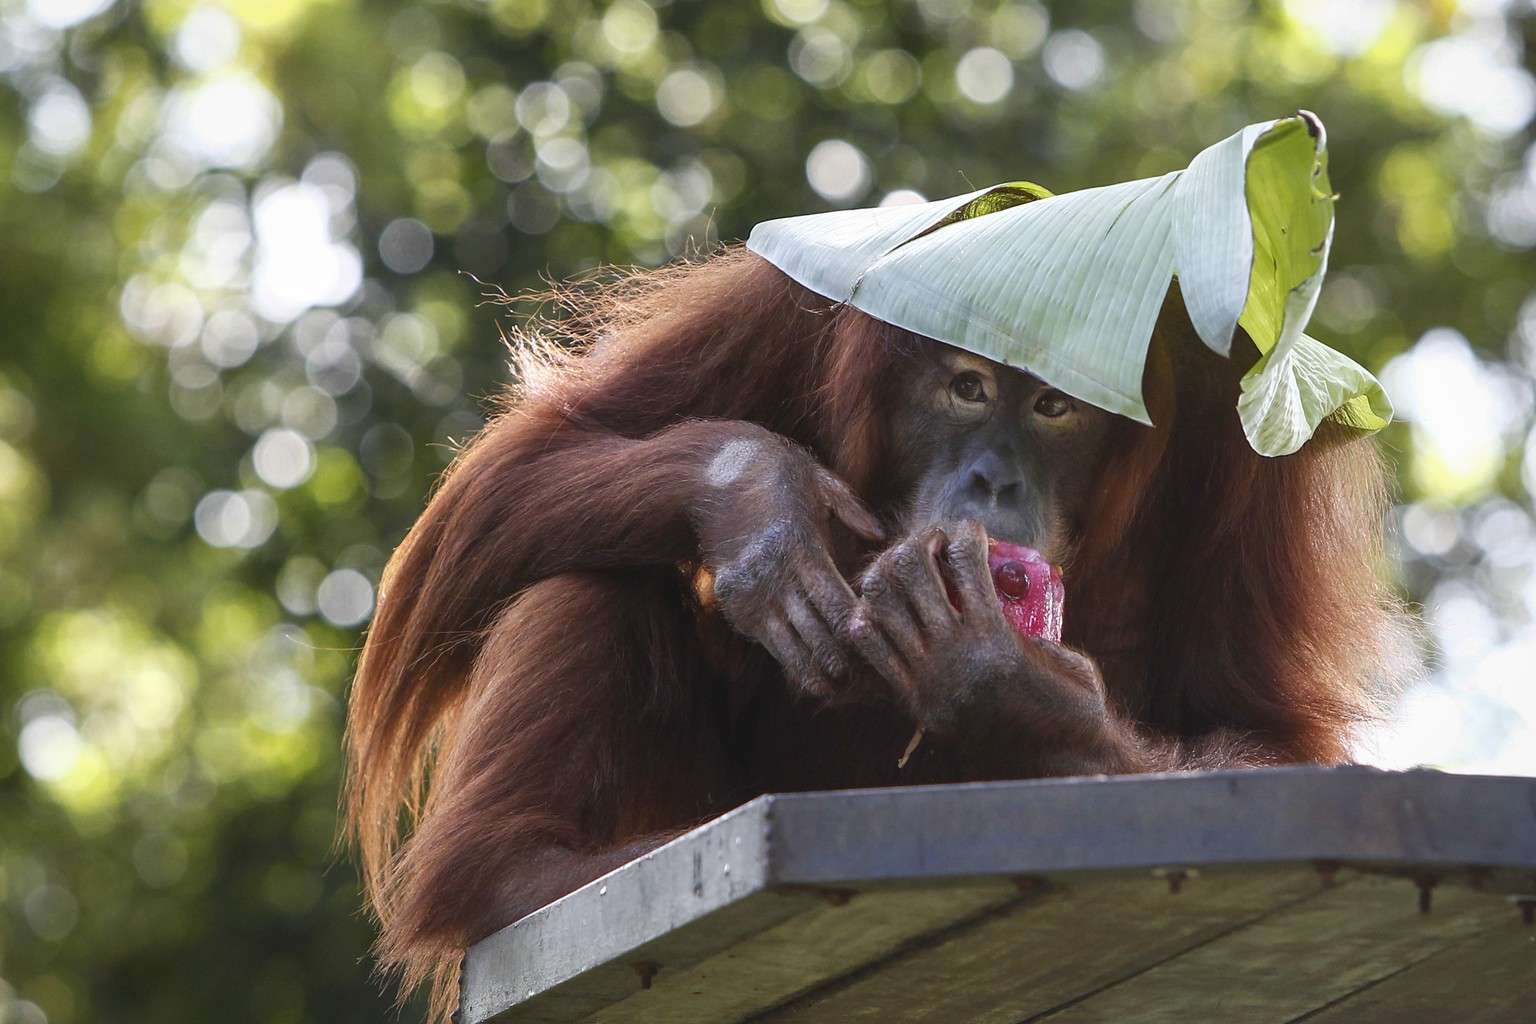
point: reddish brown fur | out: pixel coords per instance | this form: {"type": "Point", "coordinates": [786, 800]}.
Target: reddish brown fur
{"type": "Point", "coordinates": [548, 653]}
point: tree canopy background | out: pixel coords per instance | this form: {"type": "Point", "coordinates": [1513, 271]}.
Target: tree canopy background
{"type": "Point", "coordinates": [244, 248]}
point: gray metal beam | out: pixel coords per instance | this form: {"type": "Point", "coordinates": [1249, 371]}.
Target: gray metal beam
{"type": "Point", "coordinates": [1231, 817]}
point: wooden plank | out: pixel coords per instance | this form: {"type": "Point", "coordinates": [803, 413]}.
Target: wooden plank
{"type": "Point", "coordinates": [1083, 934]}
{"type": "Point", "coordinates": [610, 982]}
{"type": "Point", "coordinates": [1298, 959]}
{"type": "Point", "coordinates": [801, 953]}
{"type": "Point", "coordinates": [1487, 979]}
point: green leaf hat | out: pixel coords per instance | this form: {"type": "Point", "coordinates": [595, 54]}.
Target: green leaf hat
{"type": "Point", "coordinates": [1068, 287]}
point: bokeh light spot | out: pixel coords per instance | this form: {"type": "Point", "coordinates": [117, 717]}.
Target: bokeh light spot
{"type": "Point", "coordinates": [492, 111]}
{"type": "Point", "coordinates": [437, 81]}
{"type": "Point", "coordinates": [405, 245]}
{"type": "Point", "coordinates": [1073, 59]}
{"type": "Point", "coordinates": [1431, 527]}
{"type": "Point", "coordinates": [208, 39]}
{"type": "Point", "coordinates": [283, 458]}
{"type": "Point", "coordinates": [543, 108]}
{"type": "Point", "coordinates": [310, 411]}
{"type": "Point", "coordinates": [297, 583]}
{"type": "Point", "coordinates": [629, 26]}
{"type": "Point", "coordinates": [795, 12]}
{"type": "Point", "coordinates": [52, 911]}
{"type": "Point", "coordinates": [49, 746]}
{"type": "Point", "coordinates": [59, 122]}
{"type": "Point", "coordinates": [1019, 28]}
{"type": "Point", "coordinates": [838, 171]}
{"type": "Point", "coordinates": [1346, 29]}
{"type": "Point", "coordinates": [687, 96]}
{"type": "Point", "coordinates": [60, 14]}
{"type": "Point", "coordinates": [820, 56]}
{"type": "Point", "coordinates": [345, 598]}
{"type": "Point", "coordinates": [229, 338]}
{"type": "Point", "coordinates": [228, 120]}
{"type": "Point", "coordinates": [235, 519]}
{"type": "Point", "coordinates": [1461, 411]}
{"type": "Point", "coordinates": [1469, 76]}
{"type": "Point", "coordinates": [984, 75]}
{"type": "Point", "coordinates": [892, 76]}
{"type": "Point", "coordinates": [301, 263]}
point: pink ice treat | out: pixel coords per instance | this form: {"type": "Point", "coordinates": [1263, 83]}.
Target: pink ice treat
{"type": "Point", "coordinates": [1028, 588]}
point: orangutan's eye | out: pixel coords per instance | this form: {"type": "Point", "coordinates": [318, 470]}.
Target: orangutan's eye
{"type": "Point", "coordinates": [969, 387]}
{"type": "Point", "coordinates": [1052, 404]}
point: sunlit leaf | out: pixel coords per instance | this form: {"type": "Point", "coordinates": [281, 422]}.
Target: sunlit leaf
{"type": "Point", "coordinates": [1298, 381]}
{"type": "Point", "coordinates": [829, 252]}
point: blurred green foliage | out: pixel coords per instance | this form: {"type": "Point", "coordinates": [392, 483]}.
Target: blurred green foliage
{"type": "Point", "coordinates": [242, 327]}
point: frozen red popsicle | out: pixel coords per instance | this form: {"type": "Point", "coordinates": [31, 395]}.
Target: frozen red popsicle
{"type": "Point", "coordinates": [1028, 587]}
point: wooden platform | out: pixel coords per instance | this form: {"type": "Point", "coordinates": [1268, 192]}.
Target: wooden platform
{"type": "Point", "coordinates": [1277, 895]}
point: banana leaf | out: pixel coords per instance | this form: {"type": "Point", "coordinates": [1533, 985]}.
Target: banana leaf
{"type": "Point", "coordinates": [1068, 287]}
